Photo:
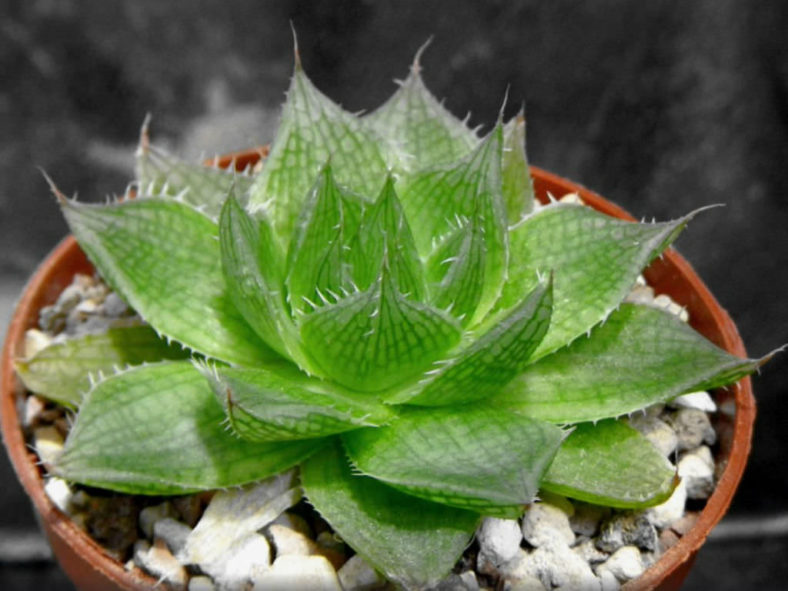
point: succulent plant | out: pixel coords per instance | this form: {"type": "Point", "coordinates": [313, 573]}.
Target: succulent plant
{"type": "Point", "coordinates": [383, 304]}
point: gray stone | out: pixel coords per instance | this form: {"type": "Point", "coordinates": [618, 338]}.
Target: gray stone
{"type": "Point", "coordinates": [150, 515]}
{"type": "Point", "coordinates": [357, 575]}
{"type": "Point", "coordinates": [173, 532]}
{"type": "Point", "coordinates": [657, 431]}
{"type": "Point", "coordinates": [696, 469]}
{"type": "Point", "coordinates": [693, 428]}
{"type": "Point", "coordinates": [465, 581]}
{"type": "Point", "coordinates": [624, 529]}
{"type": "Point", "coordinates": [544, 523]}
{"type": "Point", "coordinates": [586, 518]}
{"type": "Point", "coordinates": [588, 551]}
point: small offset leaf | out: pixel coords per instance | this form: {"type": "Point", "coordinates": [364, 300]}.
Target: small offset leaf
{"type": "Point", "coordinates": [494, 358]}
{"type": "Point", "coordinates": [420, 132]}
{"type": "Point", "coordinates": [316, 260]}
{"type": "Point", "coordinates": [253, 269]}
{"type": "Point", "coordinates": [61, 371]}
{"type": "Point", "coordinates": [413, 542]}
{"type": "Point", "coordinates": [596, 260]}
{"type": "Point", "coordinates": [158, 430]}
{"type": "Point", "coordinates": [638, 357]}
{"type": "Point", "coordinates": [284, 404]}
{"type": "Point", "coordinates": [611, 464]}
{"type": "Point", "coordinates": [205, 187]}
{"type": "Point", "coordinates": [439, 201]}
{"type": "Point", "coordinates": [164, 258]}
{"type": "Point", "coordinates": [313, 129]}
{"type": "Point", "coordinates": [384, 232]}
{"type": "Point", "coordinates": [469, 456]}
{"type": "Point", "coordinates": [377, 338]}
{"type": "Point", "coordinates": [518, 188]}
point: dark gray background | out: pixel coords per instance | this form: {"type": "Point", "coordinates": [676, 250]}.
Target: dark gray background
{"type": "Point", "coordinates": [661, 106]}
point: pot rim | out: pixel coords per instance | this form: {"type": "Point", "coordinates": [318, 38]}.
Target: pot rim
{"type": "Point", "coordinates": [68, 540]}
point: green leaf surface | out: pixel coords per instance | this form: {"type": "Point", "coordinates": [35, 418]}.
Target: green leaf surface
{"type": "Point", "coordinates": [60, 372]}
{"type": "Point", "coordinates": [517, 186]}
{"type": "Point", "coordinates": [596, 260]}
{"type": "Point", "coordinates": [312, 130]}
{"type": "Point", "coordinates": [284, 404]}
{"type": "Point", "coordinates": [468, 456]}
{"type": "Point", "coordinates": [440, 201]}
{"type": "Point", "coordinates": [494, 358]}
{"type": "Point", "coordinates": [613, 465]}
{"type": "Point", "coordinates": [253, 268]}
{"type": "Point", "coordinates": [638, 357]}
{"type": "Point", "coordinates": [205, 187]}
{"type": "Point", "coordinates": [413, 542]}
{"type": "Point", "coordinates": [377, 338]}
{"type": "Point", "coordinates": [418, 130]}
{"type": "Point", "coordinates": [158, 430]}
{"type": "Point", "coordinates": [164, 258]}
{"type": "Point", "coordinates": [317, 260]}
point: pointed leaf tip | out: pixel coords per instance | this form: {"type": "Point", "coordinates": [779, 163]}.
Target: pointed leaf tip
{"type": "Point", "coordinates": [61, 198]}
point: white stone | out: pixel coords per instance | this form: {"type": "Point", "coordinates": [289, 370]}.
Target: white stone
{"type": "Point", "coordinates": [693, 428]}
{"type": "Point", "coordinates": [696, 469]}
{"type": "Point", "coordinates": [640, 294]}
{"type": "Point", "coordinates": [571, 198]}
{"type": "Point", "coordinates": [59, 492]}
{"type": "Point", "coordinates": [158, 561]}
{"type": "Point", "coordinates": [607, 579]}
{"type": "Point", "coordinates": [625, 563]}
{"type": "Point", "coordinates": [286, 541]}
{"type": "Point", "coordinates": [150, 515]}
{"type": "Point", "coordinates": [201, 583]}
{"type": "Point", "coordinates": [671, 510]}
{"type": "Point", "coordinates": [294, 522]}
{"type": "Point", "coordinates": [555, 565]}
{"type": "Point", "coordinates": [543, 523]}
{"type": "Point", "coordinates": [35, 341]}
{"type": "Point", "coordinates": [233, 514]}
{"type": "Point", "coordinates": [114, 305]}
{"type": "Point", "coordinates": [293, 572]}
{"type": "Point", "coordinates": [657, 431]}
{"type": "Point", "coordinates": [173, 532]}
{"type": "Point", "coordinates": [697, 400]}
{"type": "Point", "coordinates": [499, 539]}
{"type": "Point", "coordinates": [357, 574]}
{"type": "Point", "coordinates": [245, 561]}
{"type": "Point", "coordinates": [524, 583]}
{"type": "Point", "coordinates": [34, 407]}
{"type": "Point", "coordinates": [48, 443]}
{"type": "Point", "coordinates": [589, 552]}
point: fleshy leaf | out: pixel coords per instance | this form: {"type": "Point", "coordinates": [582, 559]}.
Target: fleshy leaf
{"type": "Point", "coordinates": [253, 268]}
{"type": "Point", "coordinates": [413, 542]}
{"type": "Point", "coordinates": [284, 404]}
{"type": "Point", "coordinates": [385, 232]}
{"type": "Point", "coordinates": [313, 129]}
{"type": "Point", "coordinates": [205, 187]}
{"type": "Point", "coordinates": [638, 357]}
{"type": "Point", "coordinates": [437, 202]}
{"type": "Point", "coordinates": [158, 430]}
{"type": "Point", "coordinates": [468, 456]}
{"type": "Point", "coordinates": [493, 359]}
{"type": "Point", "coordinates": [420, 132]}
{"type": "Point", "coordinates": [611, 464]}
{"type": "Point", "coordinates": [377, 338]}
{"type": "Point", "coordinates": [60, 372]}
{"type": "Point", "coordinates": [596, 260]}
{"type": "Point", "coordinates": [316, 260]}
{"type": "Point", "coordinates": [517, 186]}
{"type": "Point", "coordinates": [164, 258]}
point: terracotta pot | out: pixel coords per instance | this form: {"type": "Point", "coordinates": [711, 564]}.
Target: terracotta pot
{"type": "Point", "coordinates": [92, 570]}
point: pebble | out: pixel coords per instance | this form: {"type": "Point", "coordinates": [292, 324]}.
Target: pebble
{"type": "Point", "coordinates": [299, 572]}
{"type": "Point", "coordinates": [657, 431]}
{"type": "Point", "coordinates": [543, 523]}
{"type": "Point", "coordinates": [59, 492]}
{"type": "Point", "coordinates": [499, 540]}
{"type": "Point", "coordinates": [158, 561]}
{"type": "Point", "coordinates": [625, 563]}
{"type": "Point", "coordinates": [48, 443]}
{"type": "Point", "coordinates": [172, 532]}
{"type": "Point", "coordinates": [624, 529]}
{"type": "Point", "coordinates": [233, 514]}
{"type": "Point", "coordinates": [150, 515]}
{"type": "Point", "coordinates": [697, 400]}
{"type": "Point", "coordinates": [34, 409]}
{"type": "Point", "coordinates": [245, 561]}
{"type": "Point", "coordinates": [665, 302]}
{"type": "Point", "coordinates": [555, 565]}
{"type": "Point", "coordinates": [693, 428]}
{"type": "Point", "coordinates": [588, 551]}
{"type": "Point", "coordinates": [35, 341]}
{"type": "Point", "coordinates": [640, 294]}
{"type": "Point", "coordinates": [294, 522]}
{"type": "Point", "coordinates": [671, 510]}
{"type": "Point", "coordinates": [357, 574]}
{"type": "Point", "coordinates": [667, 539]}
{"type": "Point", "coordinates": [287, 541]}
{"type": "Point", "coordinates": [696, 468]}
{"type": "Point", "coordinates": [114, 306]}
{"type": "Point", "coordinates": [201, 583]}
{"type": "Point", "coordinates": [524, 583]}
{"type": "Point", "coordinates": [587, 517]}
{"type": "Point", "coordinates": [188, 508]}
{"type": "Point", "coordinates": [607, 580]}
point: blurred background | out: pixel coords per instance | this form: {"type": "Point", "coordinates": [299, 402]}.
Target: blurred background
{"type": "Point", "coordinates": [661, 107]}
